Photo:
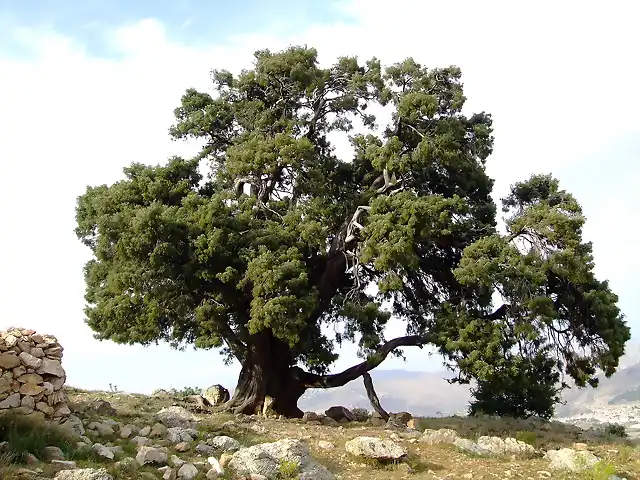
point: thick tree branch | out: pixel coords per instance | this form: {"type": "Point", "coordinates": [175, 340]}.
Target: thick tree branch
{"type": "Point", "coordinates": [310, 380]}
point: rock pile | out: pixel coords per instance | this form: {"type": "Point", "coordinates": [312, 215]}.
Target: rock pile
{"type": "Point", "coordinates": [31, 374]}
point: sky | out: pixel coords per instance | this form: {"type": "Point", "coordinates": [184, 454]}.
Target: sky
{"type": "Point", "coordinates": [88, 87]}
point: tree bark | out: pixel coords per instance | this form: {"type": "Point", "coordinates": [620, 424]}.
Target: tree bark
{"type": "Point", "coordinates": [267, 371]}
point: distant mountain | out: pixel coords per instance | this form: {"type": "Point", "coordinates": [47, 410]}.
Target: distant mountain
{"type": "Point", "coordinates": [429, 393]}
{"type": "Point", "coordinates": [621, 388]}
{"type": "Point", "coordinates": [421, 393]}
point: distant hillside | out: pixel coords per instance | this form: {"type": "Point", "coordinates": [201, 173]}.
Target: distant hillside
{"type": "Point", "coordinates": [421, 393]}
{"type": "Point", "coordinates": [429, 393]}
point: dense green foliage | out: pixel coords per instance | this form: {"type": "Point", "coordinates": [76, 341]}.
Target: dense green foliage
{"type": "Point", "coordinates": [520, 389]}
{"type": "Point", "coordinates": [284, 236]}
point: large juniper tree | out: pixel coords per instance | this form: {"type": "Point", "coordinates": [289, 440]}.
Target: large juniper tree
{"type": "Point", "coordinates": [283, 237]}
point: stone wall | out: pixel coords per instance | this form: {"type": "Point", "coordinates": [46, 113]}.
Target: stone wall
{"type": "Point", "coordinates": [31, 374]}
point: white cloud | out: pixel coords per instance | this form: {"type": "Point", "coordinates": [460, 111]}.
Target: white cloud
{"type": "Point", "coordinates": [559, 78]}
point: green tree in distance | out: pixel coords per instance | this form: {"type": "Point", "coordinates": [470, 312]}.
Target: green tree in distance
{"type": "Point", "coordinates": [283, 238]}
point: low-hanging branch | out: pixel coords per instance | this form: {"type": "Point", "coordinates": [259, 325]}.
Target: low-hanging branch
{"type": "Point", "coordinates": [311, 380]}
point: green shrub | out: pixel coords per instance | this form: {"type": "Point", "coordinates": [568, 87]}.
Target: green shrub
{"type": "Point", "coordinates": [615, 430]}
{"type": "Point", "coordinates": [27, 435]}
{"type": "Point", "coordinates": [528, 437]}
{"type": "Point", "coordinates": [185, 392]}
{"type": "Point", "coordinates": [519, 388]}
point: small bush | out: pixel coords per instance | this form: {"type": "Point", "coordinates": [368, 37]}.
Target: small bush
{"type": "Point", "coordinates": [528, 437]}
{"type": "Point", "coordinates": [615, 430]}
{"type": "Point", "coordinates": [185, 392]}
{"type": "Point", "coordinates": [288, 470]}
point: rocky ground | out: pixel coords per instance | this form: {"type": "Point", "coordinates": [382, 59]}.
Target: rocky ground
{"type": "Point", "coordinates": [123, 436]}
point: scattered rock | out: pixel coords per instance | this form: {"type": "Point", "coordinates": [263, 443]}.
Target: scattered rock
{"type": "Point", "coordinates": [310, 417]}
{"type": "Point", "coordinates": [376, 448]}
{"type": "Point", "coordinates": [216, 467]}
{"type": "Point", "coordinates": [73, 424]}
{"type": "Point", "coordinates": [175, 416]}
{"type": "Point", "coordinates": [182, 447]}
{"type": "Point", "coordinates": [401, 417]}
{"type": "Point", "coordinates": [102, 407]}
{"type": "Point", "coordinates": [168, 473]}
{"type": "Point", "coordinates": [148, 455]}
{"type": "Point", "coordinates": [102, 428]}
{"type": "Point", "coordinates": [223, 443]}
{"type": "Point", "coordinates": [158, 430]}
{"type": "Point", "coordinates": [443, 435]}
{"type": "Point", "coordinates": [103, 451]}
{"type": "Point", "coordinates": [328, 421]}
{"type": "Point", "coordinates": [52, 453]}
{"type": "Point", "coordinates": [187, 471]}
{"type": "Point", "coordinates": [204, 449]}
{"type": "Point", "coordinates": [216, 395]}
{"type": "Point", "coordinates": [323, 444]}
{"type": "Point", "coordinates": [339, 413]}
{"type": "Point", "coordinates": [176, 461]}
{"type": "Point", "coordinates": [140, 441]}
{"type": "Point", "coordinates": [498, 446]}
{"type": "Point", "coordinates": [63, 464]}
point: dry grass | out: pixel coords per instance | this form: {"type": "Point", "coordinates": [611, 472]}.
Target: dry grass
{"type": "Point", "coordinates": [428, 462]}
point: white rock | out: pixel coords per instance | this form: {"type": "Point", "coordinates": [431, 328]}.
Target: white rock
{"type": "Point", "coordinates": [223, 443]}
{"type": "Point", "coordinates": [151, 455]}
{"type": "Point", "coordinates": [187, 471]}
{"type": "Point", "coordinates": [373, 447]}
{"type": "Point", "coordinates": [84, 474]}
{"type": "Point", "coordinates": [326, 445]}
{"type": "Point", "coordinates": [168, 473]}
{"type": "Point", "coordinates": [570, 459]}
{"type": "Point", "coordinates": [215, 466]}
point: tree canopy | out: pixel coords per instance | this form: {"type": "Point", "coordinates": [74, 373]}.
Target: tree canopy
{"type": "Point", "coordinates": [283, 239]}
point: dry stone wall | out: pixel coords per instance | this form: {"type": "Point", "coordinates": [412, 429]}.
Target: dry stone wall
{"type": "Point", "coordinates": [31, 374]}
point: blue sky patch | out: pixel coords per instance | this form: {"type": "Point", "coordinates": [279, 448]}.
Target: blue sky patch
{"type": "Point", "coordinates": [191, 22]}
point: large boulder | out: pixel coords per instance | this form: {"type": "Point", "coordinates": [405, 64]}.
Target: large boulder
{"type": "Point", "coordinates": [84, 474]}
{"type": "Point", "coordinates": [498, 446]}
{"type": "Point", "coordinates": [443, 435]}
{"type": "Point", "coordinates": [570, 459]}
{"type": "Point", "coordinates": [216, 395]}
{"type": "Point", "coordinates": [266, 459]}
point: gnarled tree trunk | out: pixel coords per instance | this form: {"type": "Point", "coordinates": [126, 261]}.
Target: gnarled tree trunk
{"type": "Point", "coordinates": [267, 371]}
